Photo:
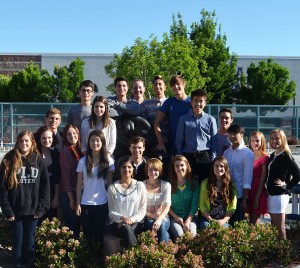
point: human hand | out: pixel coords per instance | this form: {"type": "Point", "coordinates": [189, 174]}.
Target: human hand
{"type": "Point", "coordinates": [179, 220]}
{"type": "Point", "coordinates": [156, 225]}
{"type": "Point", "coordinates": [11, 218]}
{"type": "Point", "coordinates": [280, 183]}
{"type": "Point", "coordinates": [78, 210]}
{"type": "Point", "coordinates": [186, 225]}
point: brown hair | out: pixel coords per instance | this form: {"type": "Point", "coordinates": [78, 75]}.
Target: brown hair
{"type": "Point", "coordinates": [105, 118]}
{"type": "Point", "coordinates": [13, 160]}
{"type": "Point", "coordinates": [173, 176]}
{"type": "Point", "coordinates": [75, 149]}
{"type": "Point", "coordinates": [227, 186]}
{"type": "Point", "coordinates": [176, 79]}
{"type": "Point", "coordinates": [53, 111]}
{"type": "Point", "coordinates": [37, 135]}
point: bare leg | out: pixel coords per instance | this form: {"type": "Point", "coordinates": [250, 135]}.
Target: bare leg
{"type": "Point", "coordinates": [279, 221]}
{"type": "Point", "coordinates": [255, 218]}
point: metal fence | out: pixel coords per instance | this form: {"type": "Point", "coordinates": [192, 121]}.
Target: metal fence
{"type": "Point", "coordinates": [16, 117]}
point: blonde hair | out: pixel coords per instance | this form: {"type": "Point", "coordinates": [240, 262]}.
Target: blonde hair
{"type": "Point", "coordinates": [284, 142]}
{"type": "Point", "coordinates": [263, 148]}
{"type": "Point", "coordinates": [13, 160]}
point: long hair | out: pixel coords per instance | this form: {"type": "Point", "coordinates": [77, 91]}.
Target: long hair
{"type": "Point", "coordinates": [188, 176]}
{"type": "Point", "coordinates": [284, 142]}
{"type": "Point", "coordinates": [263, 148]}
{"type": "Point", "coordinates": [103, 157]}
{"type": "Point", "coordinates": [37, 136]}
{"type": "Point", "coordinates": [13, 160]}
{"type": "Point", "coordinates": [227, 187]}
{"type": "Point", "coordinates": [74, 148]}
{"type": "Point", "coordinates": [93, 116]}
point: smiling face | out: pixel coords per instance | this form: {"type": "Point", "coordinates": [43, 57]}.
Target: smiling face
{"type": "Point", "coordinates": [153, 173]}
{"type": "Point", "coordinates": [178, 89]}
{"type": "Point", "coordinates": [180, 168]}
{"type": "Point", "coordinates": [99, 108]}
{"type": "Point", "coordinates": [47, 139]}
{"type": "Point", "coordinates": [95, 143]}
{"type": "Point", "coordinates": [121, 89]}
{"type": "Point", "coordinates": [86, 93]}
{"type": "Point", "coordinates": [138, 90]}
{"type": "Point", "coordinates": [276, 141]}
{"type": "Point", "coordinates": [235, 139]}
{"type": "Point", "coordinates": [127, 170]}
{"type": "Point", "coordinates": [256, 142]}
{"type": "Point", "coordinates": [219, 169]}
{"type": "Point", "coordinates": [72, 136]}
{"type": "Point", "coordinates": [198, 103]}
{"type": "Point", "coordinates": [137, 151]}
{"type": "Point", "coordinates": [25, 145]}
{"type": "Point", "coordinates": [159, 88]}
{"type": "Point", "coordinates": [225, 120]}
{"type": "Point", "coordinates": [53, 121]}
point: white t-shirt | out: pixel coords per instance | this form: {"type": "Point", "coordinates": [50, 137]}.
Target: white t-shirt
{"type": "Point", "coordinates": [94, 188]}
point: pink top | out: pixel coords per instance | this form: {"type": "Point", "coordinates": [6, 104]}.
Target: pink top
{"type": "Point", "coordinates": [257, 166]}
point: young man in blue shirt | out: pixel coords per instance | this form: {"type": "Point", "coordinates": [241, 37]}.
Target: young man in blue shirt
{"type": "Point", "coordinates": [172, 108]}
{"type": "Point", "coordinates": [196, 136]}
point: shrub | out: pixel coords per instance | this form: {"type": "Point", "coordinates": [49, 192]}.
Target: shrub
{"type": "Point", "coordinates": [55, 245]}
{"type": "Point", "coordinates": [243, 246]}
{"type": "Point", "coordinates": [5, 236]}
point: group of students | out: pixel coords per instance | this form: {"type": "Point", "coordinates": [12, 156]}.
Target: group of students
{"type": "Point", "coordinates": [212, 175]}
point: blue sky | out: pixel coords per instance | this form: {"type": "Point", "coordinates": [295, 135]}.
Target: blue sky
{"type": "Point", "coordinates": [257, 27]}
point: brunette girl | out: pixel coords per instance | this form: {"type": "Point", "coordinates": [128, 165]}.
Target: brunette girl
{"type": "Point", "coordinates": [185, 198]}
{"type": "Point", "coordinates": [24, 195]}
{"type": "Point", "coordinates": [99, 119]}
{"type": "Point", "coordinates": [283, 174]}
{"type": "Point", "coordinates": [94, 174]}
{"type": "Point", "coordinates": [158, 200]}
{"type": "Point", "coordinates": [217, 195]}
{"type": "Point", "coordinates": [257, 196]}
{"type": "Point", "coordinates": [69, 158]}
{"type": "Point", "coordinates": [46, 141]}
{"type": "Point", "coordinates": [127, 200]}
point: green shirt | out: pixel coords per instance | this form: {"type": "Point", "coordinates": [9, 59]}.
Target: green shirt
{"type": "Point", "coordinates": [185, 202]}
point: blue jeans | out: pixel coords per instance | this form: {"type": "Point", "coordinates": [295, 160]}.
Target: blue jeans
{"type": "Point", "coordinates": [23, 235]}
{"type": "Point", "coordinates": [93, 220]}
{"type": "Point", "coordinates": [177, 230]}
{"type": "Point", "coordinates": [162, 233]}
{"type": "Point", "coordinates": [71, 220]}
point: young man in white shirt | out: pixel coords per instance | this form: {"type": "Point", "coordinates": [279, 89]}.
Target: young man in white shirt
{"type": "Point", "coordinates": [240, 161]}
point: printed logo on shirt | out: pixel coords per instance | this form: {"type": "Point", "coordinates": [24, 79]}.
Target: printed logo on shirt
{"type": "Point", "coordinates": [28, 175]}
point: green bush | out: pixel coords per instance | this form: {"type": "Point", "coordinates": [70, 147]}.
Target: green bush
{"type": "Point", "coordinates": [244, 246]}
{"type": "Point", "coordinates": [56, 247]}
{"type": "Point", "coordinates": [5, 236]}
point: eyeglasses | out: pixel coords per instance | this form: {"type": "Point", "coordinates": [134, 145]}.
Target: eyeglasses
{"type": "Point", "coordinates": [88, 91]}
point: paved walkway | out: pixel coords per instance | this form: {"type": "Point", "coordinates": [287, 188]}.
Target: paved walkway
{"type": "Point", "coordinates": [5, 260]}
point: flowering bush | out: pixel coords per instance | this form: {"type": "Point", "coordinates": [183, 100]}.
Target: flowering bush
{"type": "Point", "coordinates": [55, 245]}
{"type": "Point", "coordinates": [244, 246]}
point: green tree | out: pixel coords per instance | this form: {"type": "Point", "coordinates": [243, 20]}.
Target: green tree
{"type": "Point", "coordinates": [267, 83]}
{"type": "Point", "coordinates": [4, 92]}
{"type": "Point", "coordinates": [35, 85]}
{"type": "Point", "coordinates": [30, 85]}
{"type": "Point", "coordinates": [204, 63]}
{"type": "Point", "coordinates": [219, 69]}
